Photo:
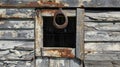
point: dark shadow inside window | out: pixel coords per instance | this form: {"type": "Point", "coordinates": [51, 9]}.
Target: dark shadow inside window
{"type": "Point", "coordinates": [53, 37]}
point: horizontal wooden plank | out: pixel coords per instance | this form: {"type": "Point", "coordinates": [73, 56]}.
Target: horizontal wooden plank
{"type": "Point", "coordinates": [59, 52]}
{"type": "Point", "coordinates": [92, 48]}
{"type": "Point", "coordinates": [18, 45]}
{"type": "Point", "coordinates": [102, 15]}
{"type": "Point", "coordinates": [102, 26]}
{"type": "Point", "coordinates": [101, 3]}
{"type": "Point", "coordinates": [58, 62]}
{"type": "Point", "coordinates": [12, 54]}
{"type": "Point", "coordinates": [51, 12]}
{"type": "Point", "coordinates": [16, 13]}
{"type": "Point", "coordinates": [17, 63]}
{"type": "Point", "coordinates": [13, 24]}
{"type": "Point", "coordinates": [57, 3]}
{"type": "Point", "coordinates": [103, 57]}
{"type": "Point", "coordinates": [41, 3]}
{"type": "Point", "coordinates": [102, 36]}
{"type": "Point", "coordinates": [16, 34]}
{"type": "Point", "coordinates": [16, 50]}
{"type": "Point", "coordinates": [42, 62]}
{"type": "Point", "coordinates": [98, 64]}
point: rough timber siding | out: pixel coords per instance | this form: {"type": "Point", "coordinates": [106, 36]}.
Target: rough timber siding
{"type": "Point", "coordinates": [102, 38]}
{"type": "Point", "coordinates": [16, 37]}
{"type": "Point", "coordinates": [57, 3]}
{"type": "Point", "coordinates": [102, 34]}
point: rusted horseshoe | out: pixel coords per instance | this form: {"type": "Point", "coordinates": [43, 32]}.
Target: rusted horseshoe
{"type": "Point", "coordinates": [64, 24]}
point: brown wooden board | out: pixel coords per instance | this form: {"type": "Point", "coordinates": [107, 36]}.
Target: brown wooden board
{"type": "Point", "coordinates": [58, 52]}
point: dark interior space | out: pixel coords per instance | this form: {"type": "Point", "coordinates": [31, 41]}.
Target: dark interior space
{"type": "Point", "coordinates": [54, 37]}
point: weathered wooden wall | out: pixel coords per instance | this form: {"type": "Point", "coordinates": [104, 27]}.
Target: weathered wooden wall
{"type": "Point", "coordinates": [102, 38]}
{"type": "Point", "coordinates": [16, 37]}
{"type": "Point", "coordinates": [102, 33]}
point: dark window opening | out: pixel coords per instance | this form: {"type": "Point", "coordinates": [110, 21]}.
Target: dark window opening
{"type": "Point", "coordinates": [53, 37]}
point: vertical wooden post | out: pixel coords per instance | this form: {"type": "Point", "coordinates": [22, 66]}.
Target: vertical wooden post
{"type": "Point", "coordinates": [80, 34]}
{"type": "Point", "coordinates": [38, 33]}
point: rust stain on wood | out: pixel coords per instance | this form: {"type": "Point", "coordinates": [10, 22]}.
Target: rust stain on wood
{"type": "Point", "coordinates": [35, 4]}
{"type": "Point", "coordinates": [59, 53]}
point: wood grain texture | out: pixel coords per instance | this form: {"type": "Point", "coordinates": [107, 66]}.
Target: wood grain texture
{"type": "Point", "coordinates": [75, 63]}
{"type": "Point", "coordinates": [59, 62]}
{"type": "Point", "coordinates": [17, 63]}
{"type": "Point", "coordinates": [80, 34]}
{"type": "Point", "coordinates": [41, 3]}
{"type": "Point", "coordinates": [102, 15]}
{"type": "Point", "coordinates": [102, 36]}
{"type": "Point", "coordinates": [50, 12]}
{"type": "Point", "coordinates": [98, 64]}
{"type": "Point", "coordinates": [18, 45]}
{"type": "Point", "coordinates": [102, 26]}
{"type": "Point", "coordinates": [57, 3]}
{"type": "Point", "coordinates": [38, 33]}
{"type": "Point", "coordinates": [16, 24]}
{"type": "Point", "coordinates": [16, 34]}
{"type": "Point", "coordinates": [16, 13]}
{"type": "Point", "coordinates": [101, 47]}
{"type": "Point", "coordinates": [101, 3]}
{"type": "Point", "coordinates": [58, 52]}
{"type": "Point", "coordinates": [42, 62]}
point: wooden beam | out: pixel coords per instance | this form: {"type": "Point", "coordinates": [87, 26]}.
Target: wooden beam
{"type": "Point", "coordinates": [38, 34]}
{"type": "Point", "coordinates": [80, 34]}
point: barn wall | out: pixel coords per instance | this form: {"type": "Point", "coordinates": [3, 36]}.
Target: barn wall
{"type": "Point", "coordinates": [16, 37]}
{"type": "Point", "coordinates": [102, 35]}
{"type": "Point", "coordinates": [102, 38]}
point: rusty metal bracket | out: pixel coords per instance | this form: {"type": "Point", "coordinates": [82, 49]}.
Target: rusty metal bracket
{"type": "Point", "coordinates": [58, 26]}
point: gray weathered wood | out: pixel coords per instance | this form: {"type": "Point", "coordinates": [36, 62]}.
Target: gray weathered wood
{"type": "Point", "coordinates": [97, 15]}
{"type": "Point", "coordinates": [57, 3]}
{"type": "Point", "coordinates": [16, 34]}
{"type": "Point", "coordinates": [98, 64]}
{"type": "Point", "coordinates": [101, 3]}
{"type": "Point", "coordinates": [59, 62]}
{"type": "Point", "coordinates": [103, 57]}
{"type": "Point", "coordinates": [38, 33]}
{"type": "Point", "coordinates": [12, 54]}
{"type": "Point", "coordinates": [42, 62]}
{"type": "Point", "coordinates": [16, 63]}
{"type": "Point", "coordinates": [75, 63]}
{"type": "Point", "coordinates": [13, 24]}
{"type": "Point", "coordinates": [16, 13]}
{"type": "Point", "coordinates": [101, 47]}
{"type": "Point", "coordinates": [102, 36]}
{"type": "Point", "coordinates": [80, 34]}
{"type": "Point", "coordinates": [4, 45]}
{"type": "Point", "coordinates": [102, 26]}
{"type": "Point", "coordinates": [41, 3]}
{"type": "Point", "coordinates": [50, 12]}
